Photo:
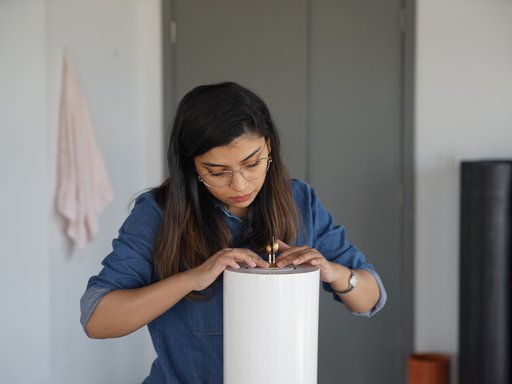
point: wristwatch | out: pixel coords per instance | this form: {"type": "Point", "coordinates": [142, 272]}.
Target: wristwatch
{"type": "Point", "coordinates": [352, 283]}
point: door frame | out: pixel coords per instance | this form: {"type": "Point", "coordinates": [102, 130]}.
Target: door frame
{"type": "Point", "coordinates": [407, 315]}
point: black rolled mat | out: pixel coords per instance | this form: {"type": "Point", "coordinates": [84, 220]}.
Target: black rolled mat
{"type": "Point", "coordinates": [485, 274]}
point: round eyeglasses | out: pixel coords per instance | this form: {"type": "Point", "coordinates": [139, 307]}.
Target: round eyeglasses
{"type": "Point", "coordinates": [250, 171]}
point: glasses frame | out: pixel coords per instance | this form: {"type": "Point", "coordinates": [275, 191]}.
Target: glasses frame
{"type": "Point", "coordinates": [268, 158]}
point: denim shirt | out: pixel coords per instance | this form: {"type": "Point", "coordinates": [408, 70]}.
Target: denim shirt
{"type": "Point", "coordinates": [188, 337]}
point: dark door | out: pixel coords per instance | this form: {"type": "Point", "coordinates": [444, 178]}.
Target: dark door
{"type": "Point", "coordinates": [330, 72]}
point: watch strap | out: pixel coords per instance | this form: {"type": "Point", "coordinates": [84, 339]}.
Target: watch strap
{"type": "Point", "coordinates": [352, 282]}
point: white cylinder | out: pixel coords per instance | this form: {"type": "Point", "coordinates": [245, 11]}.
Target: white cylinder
{"type": "Point", "coordinates": [271, 325]}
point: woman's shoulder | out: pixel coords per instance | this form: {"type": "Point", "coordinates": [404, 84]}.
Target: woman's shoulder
{"type": "Point", "coordinates": [146, 202]}
{"type": "Point", "coordinates": [300, 187]}
{"type": "Point", "coordinates": [302, 192]}
{"type": "Point", "coordinates": [144, 212]}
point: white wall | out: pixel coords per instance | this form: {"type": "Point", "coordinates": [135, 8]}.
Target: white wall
{"type": "Point", "coordinates": [116, 48]}
{"type": "Point", "coordinates": [463, 111]}
{"type": "Point", "coordinates": [24, 283]}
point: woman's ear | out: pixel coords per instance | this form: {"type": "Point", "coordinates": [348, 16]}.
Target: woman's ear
{"type": "Point", "coordinates": [269, 146]}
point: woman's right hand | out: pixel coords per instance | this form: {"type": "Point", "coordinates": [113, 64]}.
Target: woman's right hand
{"type": "Point", "coordinates": [206, 273]}
{"type": "Point", "coordinates": [123, 311]}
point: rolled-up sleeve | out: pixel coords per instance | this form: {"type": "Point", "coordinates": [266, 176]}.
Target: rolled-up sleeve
{"type": "Point", "coordinates": [130, 264]}
{"type": "Point", "coordinates": [331, 241]}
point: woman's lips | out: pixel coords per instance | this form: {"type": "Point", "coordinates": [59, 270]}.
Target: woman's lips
{"type": "Point", "coordinates": [241, 199]}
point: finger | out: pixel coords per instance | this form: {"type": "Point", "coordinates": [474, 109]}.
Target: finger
{"type": "Point", "coordinates": [257, 259]}
{"type": "Point", "coordinates": [291, 253]}
{"type": "Point", "coordinates": [250, 258]}
{"type": "Point", "coordinates": [284, 260]}
{"type": "Point", "coordinates": [261, 263]}
{"type": "Point", "coordinates": [291, 250]}
{"type": "Point", "coordinates": [300, 256]}
{"type": "Point", "coordinates": [227, 261]}
{"type": "Point", "coordinates": [221, 264]}
{"type": "Point", "coordinates": [319, 261]}
{"type": "Point", "coordinates": [282, 245]}
{"type": "Point", "coordinates": [306, 256]}
{"type": "Point", "coordinates": [247, 256]}
{"type": "Point", "coordinates": [288, 259]}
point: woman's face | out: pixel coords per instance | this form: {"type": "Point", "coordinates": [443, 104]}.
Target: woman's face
{"type": "Point", "coordinates": [242, 151]}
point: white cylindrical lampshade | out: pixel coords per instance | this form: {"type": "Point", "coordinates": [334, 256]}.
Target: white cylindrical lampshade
{"type": "Point", "coordinates": [271, 325]}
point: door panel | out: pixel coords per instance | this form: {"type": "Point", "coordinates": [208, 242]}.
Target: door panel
{"type": "Point", "coordinates": [242, 41]}
{"type": "Point", "coordinates": [355, 148]}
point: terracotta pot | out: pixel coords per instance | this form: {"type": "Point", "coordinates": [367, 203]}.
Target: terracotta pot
{"type": "Point", "coordinates": [428, 368]}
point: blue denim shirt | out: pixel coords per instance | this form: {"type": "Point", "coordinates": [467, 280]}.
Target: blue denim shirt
{"type": "Point", "coordinates": [188, 337]}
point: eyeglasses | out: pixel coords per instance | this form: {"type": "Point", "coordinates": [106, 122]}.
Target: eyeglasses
{"type": "Point", "coordinates": [250, 171]}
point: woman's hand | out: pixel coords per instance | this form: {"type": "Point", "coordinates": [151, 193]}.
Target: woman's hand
{"type": "Point", "coordinates": [304, 254]}
{"type": "Point", "coordinates": [206, 273]}
{"type": "Point", "coordinates": [359, 300]}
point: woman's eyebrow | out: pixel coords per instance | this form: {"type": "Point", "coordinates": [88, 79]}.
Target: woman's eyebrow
{"type": "Point", "coordinates": [221, 165]}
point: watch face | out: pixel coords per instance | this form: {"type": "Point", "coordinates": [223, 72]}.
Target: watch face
{"type": "Point", "coordinates": [353, 280]}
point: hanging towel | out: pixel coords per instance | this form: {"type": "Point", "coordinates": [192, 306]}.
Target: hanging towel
{"type": "Point", "coordinates": [83, 189]}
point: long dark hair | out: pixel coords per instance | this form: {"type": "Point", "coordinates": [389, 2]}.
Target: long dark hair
{"type": "Point", "coordinates": [193, 228]}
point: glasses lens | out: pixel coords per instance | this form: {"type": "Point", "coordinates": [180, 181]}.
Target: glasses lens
{"type": "Point", "coordinates": [218, 179]}
{"type": "Point", "coordinates": [250, 171]}
{"type": "Point", "coordinates": [255, 170]}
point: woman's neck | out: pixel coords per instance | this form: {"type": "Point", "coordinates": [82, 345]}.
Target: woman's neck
{"type": "Point", "coordinates": [238, 212]}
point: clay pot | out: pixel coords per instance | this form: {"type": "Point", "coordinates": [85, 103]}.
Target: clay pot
{"type": "Point", "coordinates": [429, 368]}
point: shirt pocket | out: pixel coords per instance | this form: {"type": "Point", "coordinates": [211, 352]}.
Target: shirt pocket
{"type": "Point", "coordinates": [205, 315]}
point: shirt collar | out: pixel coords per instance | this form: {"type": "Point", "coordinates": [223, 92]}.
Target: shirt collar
{"type": "Point", "coordinates": [226, 212]}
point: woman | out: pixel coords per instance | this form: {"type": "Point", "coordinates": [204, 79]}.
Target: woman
{"type": "Point", "coordinates": [226, 194]}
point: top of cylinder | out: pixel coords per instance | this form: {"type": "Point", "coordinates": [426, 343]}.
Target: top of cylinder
{"type": "Point", "coordinates": [288, 270]}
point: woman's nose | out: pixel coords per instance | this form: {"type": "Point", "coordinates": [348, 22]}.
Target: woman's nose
{"type": "Point", "coordinates": [238, 182]}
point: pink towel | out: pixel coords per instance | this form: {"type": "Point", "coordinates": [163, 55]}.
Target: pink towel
{"type": "Point", "coordinates": [83, 189]}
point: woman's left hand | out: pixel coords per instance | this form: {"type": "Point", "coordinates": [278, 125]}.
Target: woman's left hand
{"type": "Point", "coordinates": [304, 254]}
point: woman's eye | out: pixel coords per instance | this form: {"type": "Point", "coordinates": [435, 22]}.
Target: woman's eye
{"type": "Point", "coordinates": [217, 174]}
{"type": "Point", "coordinates": [253, 165]}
